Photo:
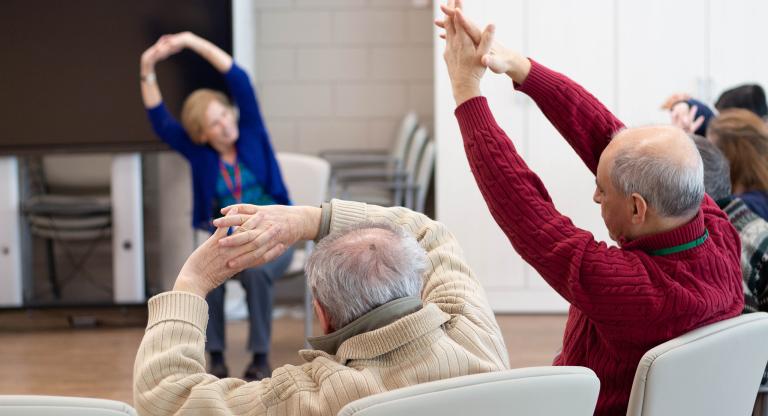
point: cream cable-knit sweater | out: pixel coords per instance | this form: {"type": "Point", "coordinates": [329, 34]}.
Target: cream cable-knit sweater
{"type": "Point", "coordinates": [454, 334]}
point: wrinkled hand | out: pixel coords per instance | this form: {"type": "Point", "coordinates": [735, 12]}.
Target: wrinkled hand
{"type": "Point", "coordinates": [685, 118]}
{"type": "Point", "coordinates": [208, 266]}
{"type": "Point", "coordinates": [264, 232]}
{"type": "Point", "coordinates": [464, 59]}
{"type": "Point", "coordinates": [499, 59]}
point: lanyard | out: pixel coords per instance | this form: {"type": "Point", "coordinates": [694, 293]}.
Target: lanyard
{"type": "Point", "coordinates": [235, 186]}
{"type": "Point", "coordinates": [682, 247]}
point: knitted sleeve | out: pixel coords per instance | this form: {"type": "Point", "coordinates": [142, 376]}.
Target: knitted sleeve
{"type": "Point", "coordinates": [588, 273]}
{"type": "Point", "coordinates": [244, 95]}
{"type": "Point", "coordinates": [169, 374]}
{"type": "Point", "coordinates": [169, 130]}
{"type": "Point", "coordinates": [579, 117]}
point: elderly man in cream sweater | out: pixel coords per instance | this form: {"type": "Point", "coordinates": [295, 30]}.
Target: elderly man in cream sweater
{"type": "Point", "coordinates": [397, 302]}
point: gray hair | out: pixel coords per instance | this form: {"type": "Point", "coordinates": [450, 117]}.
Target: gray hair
{"type": "Point", "coordinates": [355, 270]}
{"type": "Point", "coordinates": [673, 187]}
{"type": "Point", "coordinates": [717, 170]}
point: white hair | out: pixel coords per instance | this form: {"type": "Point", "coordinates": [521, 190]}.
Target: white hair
{"type": "Point", "coordinates": [672, 186]}
{"type": "Point", "coordinates": [355, 270]}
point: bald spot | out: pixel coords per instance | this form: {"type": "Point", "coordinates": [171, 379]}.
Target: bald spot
{"type": "Point", "coordinates": [371, 248]}
{"type": "Point", "coordinates": [664, 142]}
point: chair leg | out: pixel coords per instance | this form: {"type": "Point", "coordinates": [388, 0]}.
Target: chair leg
{"type": "Point", "coordinates": [52, 269]}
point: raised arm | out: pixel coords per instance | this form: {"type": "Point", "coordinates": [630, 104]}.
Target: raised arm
{"type": "Point", "coordinates": [448, 281]}
{"type": "Point", "coordinates": [586, 272]}
{"type": "Point", "coordinates": [581, 119]}
{"type": "Point", "coordinates": [163, 123]}
{"type": "Point", "coordinates": [169, 376]}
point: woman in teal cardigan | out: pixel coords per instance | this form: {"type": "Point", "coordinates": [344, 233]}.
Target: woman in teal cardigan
{"type": "Point", "coordinates": [232, 161]}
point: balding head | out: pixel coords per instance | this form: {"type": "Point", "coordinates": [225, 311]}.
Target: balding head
{"type": "Point", "coordinates": [355, 270]}
{"type": "Point", "coordinates": [660, 163]}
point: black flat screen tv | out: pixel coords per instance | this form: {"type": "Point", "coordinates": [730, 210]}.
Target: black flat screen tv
{"type": "Point", "coordinates": [69, 70]}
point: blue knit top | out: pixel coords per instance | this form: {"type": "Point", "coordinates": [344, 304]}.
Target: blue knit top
{"type": "Point", "coordinates": [253, 150]}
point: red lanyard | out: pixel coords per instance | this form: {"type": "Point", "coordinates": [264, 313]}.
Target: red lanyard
{"type": "Point", "coordinates": [235, 189]}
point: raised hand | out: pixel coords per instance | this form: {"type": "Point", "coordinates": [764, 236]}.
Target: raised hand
{"type": "Point", "coordinates": [207, 267]}
{"type": "Point", "coordinates": [683, 116]}
{"type": "Point", "coordinates": [262, 233]}
{"type": "Point", "coordinates": [498, 59]}
{"type": "Point", "coordinates": [464, 59]}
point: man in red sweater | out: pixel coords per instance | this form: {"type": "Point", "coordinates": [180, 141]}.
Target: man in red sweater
{"type": "Point", "coordinates": [677, 264]}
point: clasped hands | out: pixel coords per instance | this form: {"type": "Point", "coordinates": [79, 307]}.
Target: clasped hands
{"type": "Point", "coordinates": [469, 51]}
{"type": "Point", "coordinates": [260, 234]}
{"type": "Point", "coordinates": [166, 46]}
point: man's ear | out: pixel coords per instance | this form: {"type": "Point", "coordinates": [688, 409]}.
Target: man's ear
{"type": "Point", "coordinates": [322, 315]}
{"type": "Point", "coordinates": [639, 208]}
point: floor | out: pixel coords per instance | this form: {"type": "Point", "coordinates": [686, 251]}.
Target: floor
{"type": "Point", "coordinates": [99, 362]}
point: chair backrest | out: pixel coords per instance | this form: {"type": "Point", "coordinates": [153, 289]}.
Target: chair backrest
{"type": "Point", "coordinates": [415, 148]}
{"type": "Point", "coordinates": [84, 173]}
{"type": "Point", "coordinates": [404, 134]}
{"type": "Point", "coordinates": [713, 370]}
{"type": "Point", "coordinates": [305, 176]}
{"type": "Point", "coordinates": [62, 406]}
{"type": "Point", "coordinates": [533, 391]}
{"type": "Point", "coordinates": [423, 175]}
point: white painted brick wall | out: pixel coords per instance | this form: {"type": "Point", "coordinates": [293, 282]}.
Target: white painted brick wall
{"type": "Point", "coordinates": [336, 74]}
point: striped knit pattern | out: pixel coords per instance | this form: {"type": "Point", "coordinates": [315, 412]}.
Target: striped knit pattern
{"type": "Point", "coordinates": [623, 301]}
{"type": "Point", "coordinates": [753, 231]}
{"type": "Point", "coordinates": [454, 334]}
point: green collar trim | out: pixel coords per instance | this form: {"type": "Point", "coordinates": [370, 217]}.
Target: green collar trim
{"type": "Point", "coordinates": [682, 247]}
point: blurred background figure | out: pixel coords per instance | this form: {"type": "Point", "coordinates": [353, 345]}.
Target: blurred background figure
{"type": "Point", "coordinates": [232, 162]}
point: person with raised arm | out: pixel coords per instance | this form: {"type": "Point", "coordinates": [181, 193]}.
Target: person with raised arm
{"type": "Point", "coordinates": [676, 267]}
{"type": "Point", "coordinates": [232, 161]}
{"type": "Point", "coordinates": [396, 300]}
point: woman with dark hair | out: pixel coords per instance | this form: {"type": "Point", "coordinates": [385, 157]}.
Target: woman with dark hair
{"type": "Point", "coordinates": [742, 136]}
{"type": "Point", "coordinates": [232, 162]}
{"type": "Point", "coordinates": [748, 96]}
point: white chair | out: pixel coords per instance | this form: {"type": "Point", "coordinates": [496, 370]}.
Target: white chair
{"type": "Point", "coordinates": [352, 158]}
{"type": "Point", "coordinates": [62, 406]}
{"type": "Point", "coordinates": [533, 391]}
{"type": "Point", "coordinates": [711, 371]}
{"type": "Point", "coordinates": [385, 188]}
{"type": "Point", "coordinates": [306, 178]}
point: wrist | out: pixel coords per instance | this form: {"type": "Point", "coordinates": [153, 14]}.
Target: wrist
{"type": "Point", "coordinates": [185, 284]}
{"type": "Point", "coordinates": [520, 67]}
{"type": "Point", "coordinates": [147, 68]}
{"type": "Point", "coordinates": [311, 224]}
{"type": "Point", "coordinates": [462, 93]}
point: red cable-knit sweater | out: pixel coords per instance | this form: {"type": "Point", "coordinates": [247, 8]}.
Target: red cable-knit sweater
{"type": "Point", "coordinates": [624, 301]}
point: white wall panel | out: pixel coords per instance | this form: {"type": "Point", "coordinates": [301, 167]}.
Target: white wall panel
{"type": "Point", "coordinates": [737, 37]}
{"type": "Point", "coordinates": [459, 203]}
{"type": "Point", "coordinates": [658, 55]}
{"type": "Point", "coordinates": [575, 38]}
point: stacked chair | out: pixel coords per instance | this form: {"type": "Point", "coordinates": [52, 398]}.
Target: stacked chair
{"type": "Point", "coordinates": [72, 206]}
{"type": "Point", "coordinates": [400, 176]}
